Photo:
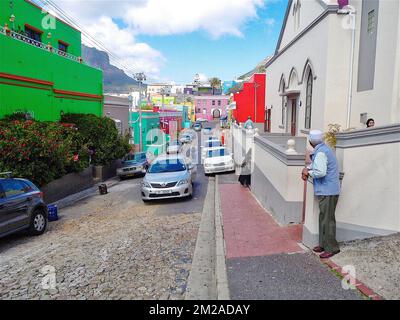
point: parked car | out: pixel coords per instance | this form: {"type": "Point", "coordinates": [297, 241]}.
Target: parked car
{"type": "Point", "coordinates": [197, 126]}
{"type": "Point", "coordinates": [218, 159]}
{"type": "Point", "coordinates": [208, 145]}
{"type": "Point", "coordinates": [133, 165]}
{"type": "Point", "coordinates": [186, 138]}
{"type": "Point", "coordinates": [21, 206]}
{"type": "Point", "coordinates": [174, 147]}
{"type": "Point", "coordinates": [169, 176]}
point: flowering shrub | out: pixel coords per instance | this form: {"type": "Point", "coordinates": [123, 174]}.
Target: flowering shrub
{"type": "Point", "coordinates": [45, 151]}
{"type": "Point", "coordinates": [100, 134]}
{"type": "Point", "coordinates": [39, 151]}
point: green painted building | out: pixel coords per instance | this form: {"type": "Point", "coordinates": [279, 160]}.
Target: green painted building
{"type": "Point", "coordinates": [41, 70]}
{"type": "Point", "coordinates": [152, 140]}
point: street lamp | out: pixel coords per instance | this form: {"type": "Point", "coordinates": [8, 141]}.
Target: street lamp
{"type": "Point", "coordinates": [140, 77]}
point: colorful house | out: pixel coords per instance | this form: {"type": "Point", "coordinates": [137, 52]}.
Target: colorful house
{"type": "Point", "coordinates": [211, 107]}
{"type": "Point", "coordinates": [165, 101]}
{"type": "Point", "coordinates": [150, 121]}
{"type": "Point", "coordinates": [41, 69]}
{"type": "Point", "coordinates": [171, 123]}
{"type": "Point", "coordinates": [250, 100]}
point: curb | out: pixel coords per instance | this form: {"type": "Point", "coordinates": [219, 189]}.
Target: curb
{"type": "Point", "coordinates": [360, 286]}
{"type": "Point", "coordinates": [73, 198]}
{"type": "Point", "coordinates": [220, 268]}
{"type": "Point", "coordinates": [201, 284]}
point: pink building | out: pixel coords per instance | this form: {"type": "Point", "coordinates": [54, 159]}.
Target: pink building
{"type": "Point", "coordinates": [211, 107]}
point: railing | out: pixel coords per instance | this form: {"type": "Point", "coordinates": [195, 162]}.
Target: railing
{"type": "Point", "coordinates": [38, 44]}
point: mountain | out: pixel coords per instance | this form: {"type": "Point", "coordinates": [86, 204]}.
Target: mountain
{"type": "Point", "coordinates": [115, 80]}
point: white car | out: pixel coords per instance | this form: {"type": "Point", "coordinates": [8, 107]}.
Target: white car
{"type": "Point", "coordinates": [218, 160]}
{"type": "Point", "coordinates": [213, 143]}
{"type": "Point", "coordinates": [174, 147]}
{"type": "Point", "coordinates": [187, 137]}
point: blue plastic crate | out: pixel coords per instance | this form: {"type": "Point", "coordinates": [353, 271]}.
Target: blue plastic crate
{"type": "Point", "coordinates": [53, 212]}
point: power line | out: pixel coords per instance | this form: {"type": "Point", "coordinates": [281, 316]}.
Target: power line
{"type": "Point", "coordinates": [92, 40]}
{"type": "Point", "coordinates": [87, 35]}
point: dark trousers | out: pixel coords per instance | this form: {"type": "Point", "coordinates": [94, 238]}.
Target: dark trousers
{"type": "Point", "coordinates": [327, 223]}
{"type": "Point", "coordinates": [245, 179]}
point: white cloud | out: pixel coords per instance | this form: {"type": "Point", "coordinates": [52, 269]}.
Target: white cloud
{"type": "Point", "coordinates": [156, 17]}
{"type": "Point", "coordinates": [216, 17]}
{"type": "Point", "coordinates": [270, 22]}
{"type": "Point", "coordinates": [136, 56]}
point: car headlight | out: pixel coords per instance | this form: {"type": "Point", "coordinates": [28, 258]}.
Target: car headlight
{"type": "Point", "coordinates": [207, 165]}
{"type": "Point", "coordinates": [184, 181]}
{"type": "Point", "coordinates": [146, 184]}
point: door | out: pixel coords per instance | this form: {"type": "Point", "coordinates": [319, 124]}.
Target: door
{"type": "Point", "coordinates": [216, 114]}
{"type": "Point", "coordinates": [293, 118]}
{"type": "Point", "coordinates": [14, 205]}
{"type": "Point", "coordinates": [267, 122]}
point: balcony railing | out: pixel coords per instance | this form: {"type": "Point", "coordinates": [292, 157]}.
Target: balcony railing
{"type": "Point", "coordinates": [38, 44]}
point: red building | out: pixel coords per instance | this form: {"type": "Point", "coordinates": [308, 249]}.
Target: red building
{"type": "Point", "coordinates": [170, 122]}
{"type": "Point", "coordinates": [250, 101]}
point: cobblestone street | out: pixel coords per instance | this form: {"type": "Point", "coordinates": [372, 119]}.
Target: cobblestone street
{"type": "Point", "coordinates": [104, 247]}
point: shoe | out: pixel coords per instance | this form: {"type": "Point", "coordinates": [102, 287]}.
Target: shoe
{"type": "Point", "coordinates": [318, 249]}
{"type": "Point", "coordinates": [327, 255]}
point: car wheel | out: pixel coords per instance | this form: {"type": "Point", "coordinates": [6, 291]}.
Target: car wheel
{"type": "Point", "coordinates": [38, 222]}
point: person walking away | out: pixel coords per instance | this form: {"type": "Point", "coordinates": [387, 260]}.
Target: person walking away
{"type": "Point", "coordinates": [245, 171]}
{"type": "Point", "coordinates": [249, 123]}
{"type": "Point", "coordinates": [325, 174]}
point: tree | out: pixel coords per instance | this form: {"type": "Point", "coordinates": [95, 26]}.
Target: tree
{"type": "Point", "coordinates": [215, 83]}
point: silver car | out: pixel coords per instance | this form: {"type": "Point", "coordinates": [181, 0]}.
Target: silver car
{"type": "Point", "coordinates": [169, 176]}
{"type": "Point", "coordinates": [132, 165]}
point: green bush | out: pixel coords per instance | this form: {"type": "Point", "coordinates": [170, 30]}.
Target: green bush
{"type": "Point", "coordinates": [38, 151]}
{"type": "Point", "coordinates": [45, 151]}
{"type": "Point", "coordinates": [102, 135]}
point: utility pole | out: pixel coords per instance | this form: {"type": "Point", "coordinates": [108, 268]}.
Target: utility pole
{"type": "Point", "coordinates": [140, 77]}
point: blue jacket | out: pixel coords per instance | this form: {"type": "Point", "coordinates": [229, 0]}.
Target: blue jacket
{"type": "Point", "coordinates": [328, 185]}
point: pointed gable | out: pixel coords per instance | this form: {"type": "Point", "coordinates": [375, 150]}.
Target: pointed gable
{"type": "Point", "coordinates": [299, 15]}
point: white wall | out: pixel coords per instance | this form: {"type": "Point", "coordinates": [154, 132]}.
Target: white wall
{"type": "Point", "coordinates": [370, 194]}
{"type": "Point", "coordinates": [308, 12]}
{"type": "Point", "coordinates": [380, 102]}
{"type": "Point", "coordinates": [313, 47]}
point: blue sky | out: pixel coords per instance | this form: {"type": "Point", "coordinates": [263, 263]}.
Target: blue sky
{"type": "Point", "coordinates": [226, 57]}
{"type": "Point", "coordinates": [172, 40]}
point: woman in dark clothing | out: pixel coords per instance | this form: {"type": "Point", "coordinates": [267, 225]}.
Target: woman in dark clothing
{"type": "Point", "coordinates": [245, 174]}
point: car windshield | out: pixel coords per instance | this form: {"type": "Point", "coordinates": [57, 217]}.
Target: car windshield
{"type": "Point", "coordinates": [135, 157]}
{"type": "Point", "coordinates": [167, 165]}
{"type": "Point", "coordinates": [217, 153]}
{"type": "Point", "coordinates": [210, 144]}
{"type": "Point", "coordinates": [174, 143]}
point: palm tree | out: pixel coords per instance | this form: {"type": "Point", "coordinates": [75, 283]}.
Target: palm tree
{"type": "Point", "coordinates": [215, 83]}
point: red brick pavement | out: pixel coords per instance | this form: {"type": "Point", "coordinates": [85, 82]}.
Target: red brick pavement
{"type": "Point", "coordinates": [249, 230]}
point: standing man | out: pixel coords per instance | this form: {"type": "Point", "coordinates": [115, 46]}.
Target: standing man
{"type": "Point", "coordinates": [325, 173]}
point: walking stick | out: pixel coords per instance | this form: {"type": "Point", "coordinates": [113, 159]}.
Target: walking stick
{"type": "Point", "coordinates": [304, 202]}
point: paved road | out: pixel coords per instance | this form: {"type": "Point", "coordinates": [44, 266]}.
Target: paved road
{"type": "Point", "coordinates": [285, 277]}
{"type": "Point", "coordinates": [107, 247]}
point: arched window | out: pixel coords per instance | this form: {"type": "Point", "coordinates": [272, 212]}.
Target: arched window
{"type": "Point", "coordinates": [309, 91]}
{"type": "Point", "coordinates": [283, 104]}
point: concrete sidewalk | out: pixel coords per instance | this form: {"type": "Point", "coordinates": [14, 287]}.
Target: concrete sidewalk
{"type": "Point", "coordinates": [267, 261]}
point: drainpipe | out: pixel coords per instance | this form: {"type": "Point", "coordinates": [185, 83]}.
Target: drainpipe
{"type": "Point", "coordinates": [352, 15]}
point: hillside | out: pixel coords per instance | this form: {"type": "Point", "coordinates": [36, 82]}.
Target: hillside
{"type": "Point", "coordinates": [115, 80]}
